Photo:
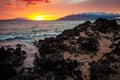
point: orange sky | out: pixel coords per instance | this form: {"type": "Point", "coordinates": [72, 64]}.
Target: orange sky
{"type": "Point", "coordinates": [54, 9]}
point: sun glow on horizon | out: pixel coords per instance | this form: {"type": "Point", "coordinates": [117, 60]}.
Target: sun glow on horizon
{"type": "Point", "coordinates": [40, 17]}
{"type": "Point", "coordinates": [35, 17]}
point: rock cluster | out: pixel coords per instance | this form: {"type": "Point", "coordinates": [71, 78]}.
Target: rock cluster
{"type": "Point", "coordinates": [10, 59]}
{"type": "Point", "coordinates": [104, 25]}
{"type": "Point", "coordinates": [83, 39]}
{"type": "Point", "coordinates": [59, 69]}
{"type": "Point", "coordinates": [107, 66]}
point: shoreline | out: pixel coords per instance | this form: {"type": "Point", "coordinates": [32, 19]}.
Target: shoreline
{"type": "Point", "coordinates": [28, 48]}
{"type": "Point", "coordinates": [82, 53]}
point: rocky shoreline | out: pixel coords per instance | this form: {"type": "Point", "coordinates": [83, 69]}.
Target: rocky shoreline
{"type": "Point", "coordinates": [90, 51]}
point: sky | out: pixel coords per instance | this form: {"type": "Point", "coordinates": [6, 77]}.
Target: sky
{"type": "Point", "coordinates": [54, 9]}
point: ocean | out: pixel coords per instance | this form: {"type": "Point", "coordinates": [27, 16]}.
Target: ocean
{"type": "Point", "coordinates": [28, 31]}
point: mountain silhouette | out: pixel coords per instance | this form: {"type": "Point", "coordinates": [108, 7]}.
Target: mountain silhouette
{"type": "Point", "coordinates": [20, 19]}
{"type": "Point", "coordinates": [90, 16]}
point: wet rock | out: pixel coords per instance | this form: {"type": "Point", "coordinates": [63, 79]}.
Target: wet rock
{"type": "Point", "coordinates": [19, 45]}
{"type": "Point", "coordinates": [86, 23]}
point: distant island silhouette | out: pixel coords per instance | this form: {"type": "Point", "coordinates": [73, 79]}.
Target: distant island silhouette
{"type": "Point", "coordinates": [21, 18]}
{"type": "Point", "coordinates": [82, 16]}
{"type": "Point", "coordinates": [90, 16]}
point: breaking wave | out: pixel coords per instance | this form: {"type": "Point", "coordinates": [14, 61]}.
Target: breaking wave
{"type": "Point", "coordinates": [13, 36]}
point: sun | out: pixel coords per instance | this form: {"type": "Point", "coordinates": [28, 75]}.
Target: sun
{"type": "Point", "coordinates": [39, 18]}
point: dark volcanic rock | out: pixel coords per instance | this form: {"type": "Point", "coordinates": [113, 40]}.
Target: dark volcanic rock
{"type": "Point", "coordinates": [58, 68]}
{"type": "Point", "coordinates": [102, 69]}
{"type": "Point", "coordinates": [88, 43]}
{"type": "Point", "coordinates": [71, 32]}
{"type": "Point", "coordinates": [84, 24]}
{"type": "Point", "coordinates": [82, 27]}
{"type": "Point", "coordinates": [84, 38]}
{"type": "Point", "coordinates": [9, 59]}
{"type": "Point", "coordinates": [27, 76]}
{"type": "Point", "coordinates": [50, 46]}
{"type": "Point", "coordinates": [6, 71]}
{"type": "Point", "coordinates": [105, 25]}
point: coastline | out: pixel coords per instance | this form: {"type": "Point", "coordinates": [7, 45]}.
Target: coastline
{"type": "Point", "coordinates": [75, 53]}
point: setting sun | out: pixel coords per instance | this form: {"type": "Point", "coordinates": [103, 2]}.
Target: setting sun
{"type": "Point", "coordinates": [35, 17]}
{"type": "Point", "coordinates": [39, 18]}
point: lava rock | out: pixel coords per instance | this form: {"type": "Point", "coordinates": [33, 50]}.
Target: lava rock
{"type": "Point", "coordinates": [104, 25]}
{"type": "Point", "coordinates": [88, 43]}
{"type": "Point", "coordinates": [71, 32]}
{"type": "Point", "coordinates": [51, 46]}
{"type": "Point", "coordinates": [9, 59]}
{"type": "Point", "coordinates": [60, 68]}
{"type": "Point", "coordinates": [84, 38]}
{"type": "Point", "coordinates": [6, 71]}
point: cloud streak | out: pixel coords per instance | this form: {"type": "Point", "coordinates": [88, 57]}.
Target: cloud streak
{"type": "Point", "coordinates": [97, 6]}
{"type": "Point", "coordinates": [35, 0]}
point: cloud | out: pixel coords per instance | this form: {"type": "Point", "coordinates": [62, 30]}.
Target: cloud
{"type": "Point", "coordinates": [97, 6]}
{"type": "Point", "coordinates": [23, 2]}
{"type": "Point", "coordinates": [75, 1]}
{"type": "Point", "coordinates": [35, 0]}
{"type": "Point", "coordinates": [9, 4]}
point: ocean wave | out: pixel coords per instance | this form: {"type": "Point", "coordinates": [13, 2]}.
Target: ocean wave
{"type": "Point", "coordinates": [14, 36]}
